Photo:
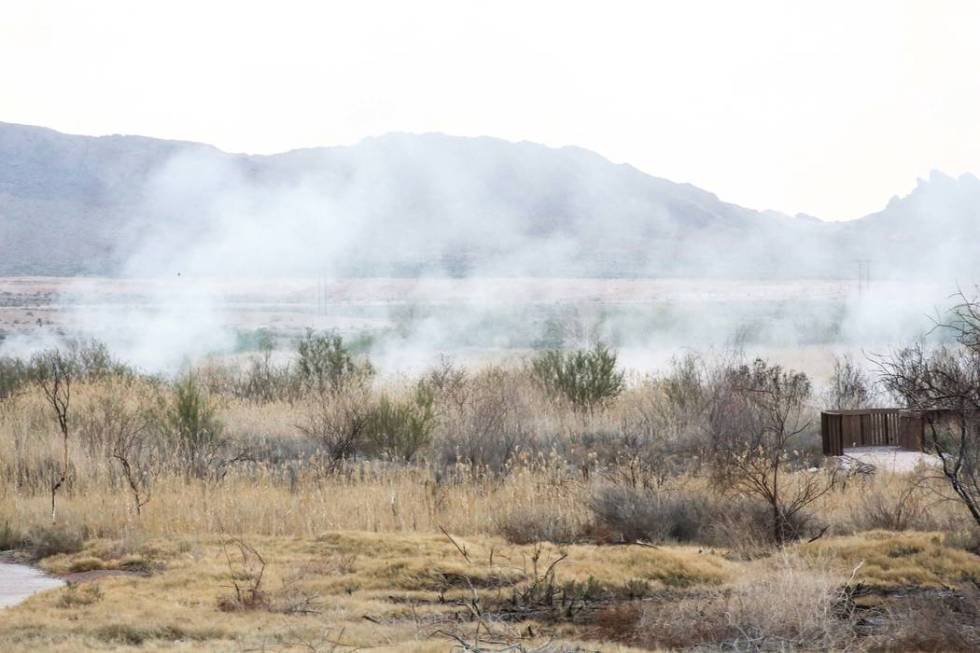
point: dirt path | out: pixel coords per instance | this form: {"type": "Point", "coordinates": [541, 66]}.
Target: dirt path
{"type": "Point", "coordinates": [890, 459]}
{"type": "Point", "coordinates": [17, 582]}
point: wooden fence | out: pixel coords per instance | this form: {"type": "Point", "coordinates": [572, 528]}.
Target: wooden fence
{"type": "Point", "coordinates": [870, 427]}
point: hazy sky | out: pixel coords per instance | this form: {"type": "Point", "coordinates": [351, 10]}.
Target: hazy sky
{"type": "Point", "coordinates": [822, 107]}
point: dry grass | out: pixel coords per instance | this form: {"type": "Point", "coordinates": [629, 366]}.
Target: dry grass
{"type": "Point", "coordinates": [355, 555]}
{"type": "Point", "coordinates": [784, 604]}
{"type": "Point", "coordinates": [890, 559]}
{"type": "Point", "coordinates": [369, 590]}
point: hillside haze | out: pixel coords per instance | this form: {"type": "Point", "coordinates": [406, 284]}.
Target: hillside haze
{"type": "Point", "coordinates": [407, 205]}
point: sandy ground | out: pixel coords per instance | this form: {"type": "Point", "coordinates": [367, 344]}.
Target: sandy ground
{"type": "Point", "coordinates": [890, 459]}
{"type": "Point", "coordinates": [17, 582]}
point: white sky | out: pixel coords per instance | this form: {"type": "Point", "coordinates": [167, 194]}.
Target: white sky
{"type": "Point", "coordinates": [823, 107]}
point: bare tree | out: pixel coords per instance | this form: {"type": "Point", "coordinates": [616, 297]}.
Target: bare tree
{"type": "Point", "coordinates": [53, 372]}
{"type": "Point", "coordinates": [121, 429]}
{"type": "Point", "coordinates": [943, 381]}
{"type": "Point", "coordinates": [850, 386]}
{"type": "Point", "coordinates": [757, 415]}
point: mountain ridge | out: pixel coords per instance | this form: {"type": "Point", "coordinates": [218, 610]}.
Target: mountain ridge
{"type": "Point", "coordinates": [408, 204]}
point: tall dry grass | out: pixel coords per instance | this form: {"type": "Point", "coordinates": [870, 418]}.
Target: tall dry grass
{"type": "Point", "coordinates": [505, 458]}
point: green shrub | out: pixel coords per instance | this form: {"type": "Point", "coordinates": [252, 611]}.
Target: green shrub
{"type": "Point", "coordinates": [191, 423]}
{"type": "Point", "coordinates": [400, 429]}
{"type": "Point", "coordinates": [325, 364]}
{"type": "Point", "coordinates": [586, 378]}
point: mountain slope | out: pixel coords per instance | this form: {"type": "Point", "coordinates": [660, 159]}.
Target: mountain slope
{"type": "Point", "coordinates": [411, 204]}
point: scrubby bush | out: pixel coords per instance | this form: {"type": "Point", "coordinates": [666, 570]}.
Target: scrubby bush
{"type": "Point", "coordinates": [625, 514]}
{"type": "Point", "coordinates": [758, 419]}
{"type": "Point", "coordinates": [638, 514]}
{"type": "Point", "coordinates": [492, 425]}
{"type": "Point", "coordinates": [75, 596]}
{"type": "Point", "coordinates": [850, 386]}
{"type": "Point", "coordinates": [947, 622]}
{"type": "Point", "coordinates": [399, 429]}
{"type": "Point", "coordinates": [14, 375]}
{"type": "Point", "coordinates": [904, 509]}
{"type": "Point", "coordinates": [450, 385]}
{"type": "Point", "coordinates": [263, 380]}
{"type": "Point", "coordinates": [794, 607]}
{"type": "Point", "coordinates": [539, 522]}
{"type": "Point", "coordinates": [587, 379]}
{"type": "Point", "coordinates": [44, 541]}
{"type": "Point", "coordinates": [686, 392]}
{"type": "Point", "coordinates": [191, 424]}
{"type": "Point", "coordinates": [10, 537]}
{"type": "Point", "coordinates": [337, 422]}
{"type": "Point", "coordinates": [325, 364]}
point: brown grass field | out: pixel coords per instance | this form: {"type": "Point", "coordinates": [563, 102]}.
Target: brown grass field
{"type": "Point", "coordinates": [494, 532]}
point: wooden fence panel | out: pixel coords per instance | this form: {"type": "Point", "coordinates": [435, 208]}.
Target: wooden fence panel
{"type": "Point", "coordinates": [874, 427]}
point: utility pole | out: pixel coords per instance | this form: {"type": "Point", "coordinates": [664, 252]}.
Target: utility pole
{"type": "Point", "coordinates": [864, 275]}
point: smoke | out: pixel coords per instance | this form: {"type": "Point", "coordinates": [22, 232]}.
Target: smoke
{"type": "Point", "coordinates": [484, 249]}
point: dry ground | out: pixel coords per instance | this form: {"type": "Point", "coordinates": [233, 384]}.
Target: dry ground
{"type": "Point", "coordinates": [367, 591]}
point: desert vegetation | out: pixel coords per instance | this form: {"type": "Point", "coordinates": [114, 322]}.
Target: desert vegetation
{"type": "Point", "coordinates": [555, 503]}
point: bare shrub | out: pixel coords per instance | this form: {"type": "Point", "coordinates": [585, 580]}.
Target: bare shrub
{"type": "Point", "coordinates": [487, 431]}
{"type": "Point", "coordinates": [905, 509]}
{"type": "Point", "coordinates": [14, 376]}
{"type": "Point", "coordinates": [792, 607]}
{"type": "Point", "coordinates": [850, 386]}
{"type": "Point", "coordinates": [742, 524]}
{"type": "Point", "coordinates": [263, 380]}
{"type": "Point", "coordinates": [44, 541]}
{"type": "Point", "coordinates": [949, 621]}
{"type": "Point", "coordinates": [757, 418]}
{"type": "Point", "coordinates": [626, 457]}
{"type": "Point", "coordinates": [119, 423]}
{"type": "Point", "coordinates": [745, 525]}
{"type": "Point", "coordinates": [946, 378]}
{"type": "Point", "coordinates": [11, 537]}
{"type": "Point", "coordinates": [246, 571]}
{"type": "Point", "coordinates": [338, 422]}
{"type": "Point", "coordinates": [76, 595]}
{"type": "Point", "coordinates": [449, 383]}
{"type": "Point", "coordinates": [626, 514]}
{"type": "Point", "coordinates": [686, 392]}
{"type": "Point", "coordinates": [539, 522]}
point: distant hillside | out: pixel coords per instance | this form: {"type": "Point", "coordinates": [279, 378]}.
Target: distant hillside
{"type": "Point", "coordinates": [428, 204]}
